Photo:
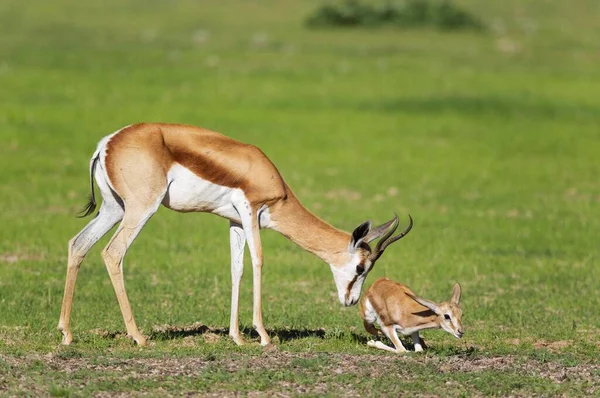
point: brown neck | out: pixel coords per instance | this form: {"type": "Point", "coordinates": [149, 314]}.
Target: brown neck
{"type": "Point", "coordinates": [295, 222]}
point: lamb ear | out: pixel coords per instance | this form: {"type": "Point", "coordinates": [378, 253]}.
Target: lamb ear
{"type": "Point", "coordinates": [456, 292]}
{"type": "Point", "coordinates": [425, 303]}
{"type": "Point", "coordinates": [358, 235]}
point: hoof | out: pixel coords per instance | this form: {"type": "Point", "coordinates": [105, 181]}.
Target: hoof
{"type": "Point", "coordinates": [270, 348]}
{"type": "Point", "coordinates": [239, 340]}
{"type": "Point", "coordinates": [265, 340]}
{"type": "Point", "coordinates": [67, 338]}
{"type": "Point", "coordinates": [66, 333]}
{"type": "Point", "coordinates": [139, 340]}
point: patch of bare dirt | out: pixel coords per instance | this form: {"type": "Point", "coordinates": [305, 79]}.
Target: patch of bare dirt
{"type": "Point", "coordinates": [508, 46]}
{"type": "Point", "coordinates": [12, 258]}
{"type": "Point", "coordinates": [108, 334]}
{"type": "Point", "coordinates": [211, 338]}
{"type": "Point", "coordinates": [392, 191]}
{"type": "Point", "coordinates": [344, 194]}
{"type": "Point", "coordinates": [457, 364]}
{"type": "Point", "coordinates": [333, 364]}
{"type": "Point", "coordinates": [137, 368]}
{"type": "Point", "coordinates": [554, 371]}
{"type": "Point", "coordinates": [325, 365]}
{"type": "Point", "coordinates": [58, 210]}
{"type": "Point", "coordinates": [552, 345]}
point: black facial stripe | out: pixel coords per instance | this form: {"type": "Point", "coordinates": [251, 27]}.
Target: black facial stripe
{"type": "Point", "coordinates": [350, 285]}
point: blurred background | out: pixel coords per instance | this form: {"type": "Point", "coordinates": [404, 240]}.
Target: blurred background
{"type": "Point", "coordinates": [479, 118]}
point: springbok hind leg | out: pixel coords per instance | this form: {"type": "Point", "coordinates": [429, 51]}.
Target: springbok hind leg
{"type": "Point", "coordinates": [370, 328]}
{"type": "Point", "coordinates": [110, 213]}
{"type": "Point", "coordinates": [133, 221]}
{"type": "Point", "coordinates": [380, 345]}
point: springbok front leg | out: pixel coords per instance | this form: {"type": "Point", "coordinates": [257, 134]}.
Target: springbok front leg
{"type": "Point", "coordinates": [110, 214]}
{"type": "Point", "coordinates": [418, 342]}
{"type": "Point", "coordinates": [133, 221]}
{"type": "Point", "coordinates": [249, 218]}
{"type": "Point", "coordinates": [237, 242]}
{"type": "Point", "coordinates": [390, 332]}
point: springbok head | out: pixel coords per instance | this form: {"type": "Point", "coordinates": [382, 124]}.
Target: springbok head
{"type": "Point", "coordinates": [449, 313]}
{"type": "Point", "coordinates": [350, 276]}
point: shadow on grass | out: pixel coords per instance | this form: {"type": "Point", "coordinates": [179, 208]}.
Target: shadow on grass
{"type": "Point", "coordinates": [177, 332]}
{"type": "Point", "coordinates": [443, 350]}
{"type": "Point", "coordinates": [169, 332]}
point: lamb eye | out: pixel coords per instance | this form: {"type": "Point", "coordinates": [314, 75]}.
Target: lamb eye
{"type": "Point", "coordinates": [447, 317]}
{"type": "Point", "coordinates": [360, 269]}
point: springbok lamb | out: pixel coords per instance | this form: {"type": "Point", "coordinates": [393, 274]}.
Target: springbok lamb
{"type": "Point", "coordinates": [394, 307]}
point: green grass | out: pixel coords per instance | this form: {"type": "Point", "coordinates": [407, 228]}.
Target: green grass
{"type": "Point", "coordinates": [490, 141]}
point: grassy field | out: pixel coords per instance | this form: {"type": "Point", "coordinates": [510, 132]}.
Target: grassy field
{"type": "Point", "coordinates": [489, 140]}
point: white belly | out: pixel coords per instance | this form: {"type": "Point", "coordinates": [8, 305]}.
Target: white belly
{"type": "Point", "coordinates": [187, 192]}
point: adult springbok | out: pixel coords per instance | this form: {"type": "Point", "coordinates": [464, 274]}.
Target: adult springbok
{"type": "Point", "coordinates": [190, 169]}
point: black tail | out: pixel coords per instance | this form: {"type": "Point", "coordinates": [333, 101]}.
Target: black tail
{"type": "Point", "coordinates": [91, 204]}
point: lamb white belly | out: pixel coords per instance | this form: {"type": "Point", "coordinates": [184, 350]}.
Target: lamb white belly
{"type": "Point", "coordinates": [370, 313]}
{"type": "Point", "coordinates": [187, 192]}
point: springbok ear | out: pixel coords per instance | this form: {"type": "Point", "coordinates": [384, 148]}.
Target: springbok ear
{"type": "Point", "coordinates": [358, 235]}
{"type": "Point", "coordinates": [425, 303]}
{"type": "Point", "coordinates": [456, 292]}
{"type": "Point", "coordinates": [380, 230]}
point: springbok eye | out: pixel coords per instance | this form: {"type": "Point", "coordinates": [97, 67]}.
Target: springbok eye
{"type": "Point", "coordinates": [447, 317]}
{"type": "Point", "coordinates": [360, 269]}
